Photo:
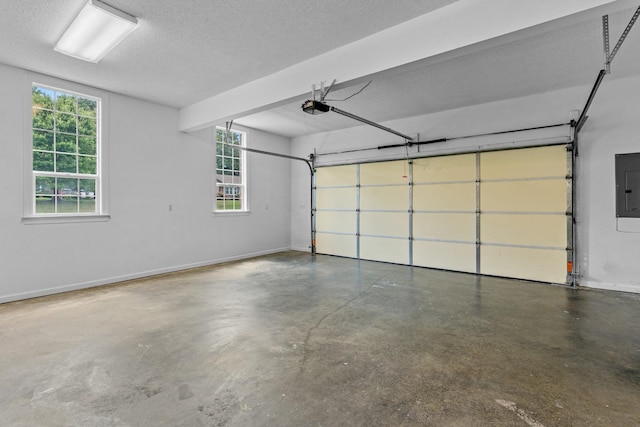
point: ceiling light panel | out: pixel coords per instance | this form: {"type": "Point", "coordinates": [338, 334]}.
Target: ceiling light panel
{"type": "Point", "coordinates": [96, 30]}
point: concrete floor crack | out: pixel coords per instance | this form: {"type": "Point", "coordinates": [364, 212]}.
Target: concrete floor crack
{"type": "Point", "coordinates": [305, 352]}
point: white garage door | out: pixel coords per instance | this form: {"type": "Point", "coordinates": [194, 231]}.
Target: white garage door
{"type": "Point", "coordinates": [524, 213]}
{"type": "Point", "coordinates": [384, 207]}
{"type": "Point", "coordinates": [504, 213]}
{"type": "Point", "coordinates": [444, 212]}
{"type": "Point", "coordinates": [336, 211]}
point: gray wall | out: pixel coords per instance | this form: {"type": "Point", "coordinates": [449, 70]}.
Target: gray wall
{"type": "Point", "coordinates": [608, 250]}
{"type": "Point", "coordinates": [151, 165]}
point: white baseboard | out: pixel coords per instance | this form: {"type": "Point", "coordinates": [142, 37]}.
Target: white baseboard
{"type": "Point", "coordinates": [301, 248]}
{"type": "Point", "coordinates": [610, 286]}
{"type": "Point", "coordinates": [133, 276]}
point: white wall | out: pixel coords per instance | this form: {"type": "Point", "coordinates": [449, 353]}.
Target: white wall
{"type": "Point", "coordinates": [151, 165]}
{"type": "Point", "coordinates": [607, 257]}
{"type": "Point", "coordinates": [609, 251]}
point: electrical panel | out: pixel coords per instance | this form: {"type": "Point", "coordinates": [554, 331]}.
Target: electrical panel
{"type": "Point", "coordinates": [628, 185]}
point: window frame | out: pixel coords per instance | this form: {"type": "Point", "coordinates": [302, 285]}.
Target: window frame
{"type": "Point", "coordinates": [29, 180]}
{"type": "Point", "coordinates": [242, 186]}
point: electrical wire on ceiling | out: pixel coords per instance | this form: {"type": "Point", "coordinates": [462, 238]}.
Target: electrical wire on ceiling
{"type": "Point", "coordinates": [350, 96]}
{"type": "Point", "coordinates": [314, 107]}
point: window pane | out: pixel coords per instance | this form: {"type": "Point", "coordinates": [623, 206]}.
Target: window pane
{"type": "Point", "coordinates": [87, 188]}
{"type": "Point", "coordinates": [87, 145]}
{"type": "Point", "coordinates": [42, 140]}
{"type": "Point", "coordinates": [65, 143]}
{"type": "Point", "coordinates": [42, 162]}
{"type": "Point", "coordinates": [45, 185]}
{"type": "Point", "coordinates": [42, 97]}
{"type": "Point", "coordinates": [45, 195]}
{"type": "Point", "coordinates": [233, 205]}
{"type": "Point", "coordinates": [226, 165]}
{"type": "Point", "coordinates": [66, 163]}
{"type": "Point", "coordinates": [67, 187]}
{"type": "Point", "coordinates": [86, 126]}
{"type": "Point", "coordinates": [45, 205]}
{"type": "Point", "coordinates": [65, 122]}
{"type": "Point", "coordinates": [65, 102]}
{"type": "Point", "coordinates": [88, 204]}
{"type": "Point", "coordinates": [229, 197]}
{"type": "Point", "coordinates": [87, 165]}
{"type": "Point", "coordinates": [42, 119]}
{"type": "Point", "coordinates": [66, 195]}
{"type": "Point", "coordinates": [87, 195]}
{"type": "Point", "coordinates": [67, 204]}
{"type": "Point", "coordinates": [87, 107]}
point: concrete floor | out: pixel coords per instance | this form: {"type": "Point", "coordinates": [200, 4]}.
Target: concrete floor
{"type": "Point", "coordinates": [293, 340]}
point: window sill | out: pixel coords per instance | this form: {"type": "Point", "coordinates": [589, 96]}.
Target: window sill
{"type": "Point", "coordinates": [30, 220]}
{"type": "Point", "coordinates": [231, 213]}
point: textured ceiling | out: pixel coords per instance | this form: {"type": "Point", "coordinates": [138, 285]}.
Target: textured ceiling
{"type": "Point", "coordinates": [187, 51]}
{"type": "Point", "coordinates": [184, 51]}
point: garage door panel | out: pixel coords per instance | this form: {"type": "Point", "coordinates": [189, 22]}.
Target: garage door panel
{"type": "Point", "coordinates": [444, 255]}
{"type": "Point", "coordinates": [523, 200]}
{"type": "Point", "coordinates": [338, 222]}
{"type": "Point", "coordinates": [445, 168]}
{"type": "Point", "coordinates": [531, 230]}
{"type": "Point", "coordinates": [524, 163]}
{"type": "Point", "coordinates": [336, 176]}
{"type": "Point", "coordinates": [387, 250]}
{"type": "Point", "coordinates": [385, 224]}
{"type": "Point", "coordinates": [455, 197]}
{"type": "Point", "coordinates": [336, 198]}
{"type": "Point", "coordinates": [524, 196]}
{"type": "Point", "coordinates": [384, 173]}
{"type": "Point", "coordinates": [385, 198]}
{"type": "Point", "coordinates": [336, 244]}
{"type": "Point", "coordinates": [545, 265]}
{"type": "Point", "coordinates": [444, 226]}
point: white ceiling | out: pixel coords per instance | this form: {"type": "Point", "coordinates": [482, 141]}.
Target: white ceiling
{"type": "Point", "coordinates": [561, 58]}
{"type": "Point", "coordinates": [187, 51]}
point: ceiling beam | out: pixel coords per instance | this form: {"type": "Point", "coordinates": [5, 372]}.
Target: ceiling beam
{"type": "Point", "coordinates": [460, 28]}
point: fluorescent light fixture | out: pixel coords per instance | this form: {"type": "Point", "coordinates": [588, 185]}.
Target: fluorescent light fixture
{"type": "Point", "coordinates": [97, 29]}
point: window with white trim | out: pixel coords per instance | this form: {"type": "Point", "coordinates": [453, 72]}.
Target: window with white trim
{"type": "Point", "coordinates": [66, 155]}
{"type": "Point", "coordinates": [231, 190]}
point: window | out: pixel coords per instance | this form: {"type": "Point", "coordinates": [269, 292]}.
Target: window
{"type": "Point", "coordinates": [231, 194]}
{"type": "Point", "coordinates": [65, 153]}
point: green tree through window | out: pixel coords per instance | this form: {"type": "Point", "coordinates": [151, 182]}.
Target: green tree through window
{"type": "Point", "coordinates": [65, 151]}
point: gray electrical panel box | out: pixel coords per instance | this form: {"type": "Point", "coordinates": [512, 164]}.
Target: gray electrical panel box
{"type": "Point", "coordinates": [628, 185]}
